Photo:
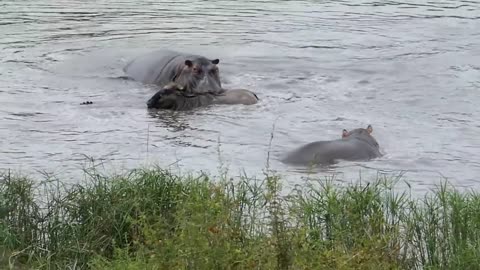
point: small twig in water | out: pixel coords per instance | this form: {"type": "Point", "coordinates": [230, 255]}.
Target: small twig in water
{"type": "Point", "coordinates": [270, 144]}
{"type": "Point", "coordinates": [148, 138]}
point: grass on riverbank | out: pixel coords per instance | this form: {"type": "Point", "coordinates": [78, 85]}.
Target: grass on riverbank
{"type": "Point", "coordinates": [153, 219]}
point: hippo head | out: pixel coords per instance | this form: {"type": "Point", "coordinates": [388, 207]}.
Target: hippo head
{"type": "Point", "coordinates": [200, 75]}
{"type": "Point", "coordinates": [362, 134]}
{"type": "Point", "coordinates": [165, 96]}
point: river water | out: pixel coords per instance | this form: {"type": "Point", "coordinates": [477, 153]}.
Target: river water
{"type": "Point", "coordinates": [411, 69]}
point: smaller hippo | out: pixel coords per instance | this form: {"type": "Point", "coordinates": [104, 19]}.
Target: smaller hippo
{"type": "Point", "coordinates": [355, 145]}
{"type": "Point", "coordinates": [174, 97]}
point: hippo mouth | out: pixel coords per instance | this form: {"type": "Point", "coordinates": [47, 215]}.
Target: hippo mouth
{"type": "Point", "coordinates": [203, 86]}
{"type": "Point", "coordinates": [207, 85]}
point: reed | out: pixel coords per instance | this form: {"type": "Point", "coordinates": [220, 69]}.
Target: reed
{"type": "Point", "coordinates": [155, 219]}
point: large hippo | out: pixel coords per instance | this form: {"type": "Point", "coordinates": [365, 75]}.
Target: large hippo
{"type": "Point", "coordinates": [355, 145]}
{"type": "Point", "coordinates": [174, 97]}
{"type": "Point", "coordinates": [197, 74]}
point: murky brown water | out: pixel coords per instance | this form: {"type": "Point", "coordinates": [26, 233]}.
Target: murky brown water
{"type": "Point", "coordinates": [412, 70]}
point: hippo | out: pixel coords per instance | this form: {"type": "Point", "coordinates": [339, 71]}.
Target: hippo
{"type": "Point", "coordinates": [174, 97]}
{"type": "Point", "coordinates": [355, 145]}
{"type": "Point", "coordinates": [197, 74]}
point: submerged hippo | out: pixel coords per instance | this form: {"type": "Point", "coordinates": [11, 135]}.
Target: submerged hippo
{"type": "Point", "coordinates": [195, 73]}
{"type": "Point", "coordinates": [174, 97]}
{"type": "Point", "coordinates": [356, 145]}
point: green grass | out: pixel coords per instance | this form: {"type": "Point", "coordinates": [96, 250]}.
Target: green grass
{"type": "Point", "coordinates": [154, 219]}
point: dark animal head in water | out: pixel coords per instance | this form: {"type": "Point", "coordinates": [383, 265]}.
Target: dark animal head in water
{"type": "Point", "coordinates": [362, 134]}
{"type": "Point", "coordinates": [169, 89]}
{"type": "Point", "coordinates": [200, 75]}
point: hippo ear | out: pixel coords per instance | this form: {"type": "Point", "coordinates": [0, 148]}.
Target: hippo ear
{"type": "Point", "coordinates": [215, 61]}
{"type": "Point", "coordinates": [370, 129]}
{"type": "Point", "coordinates": [344, 133]}
{"type": "Point", "coordinates": [188, 63]}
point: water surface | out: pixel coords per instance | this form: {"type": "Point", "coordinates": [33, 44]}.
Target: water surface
{"type": "Point", "coordinates": [409, 68]}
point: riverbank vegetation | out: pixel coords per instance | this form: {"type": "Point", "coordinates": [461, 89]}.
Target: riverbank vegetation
{"type": "Point", "coordinates": [154, 219]}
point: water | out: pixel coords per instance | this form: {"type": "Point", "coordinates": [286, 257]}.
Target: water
{"type": "Point", "coordinates": [410, 68]}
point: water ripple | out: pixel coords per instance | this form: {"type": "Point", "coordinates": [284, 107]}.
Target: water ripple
{"type": "Point", "coordinates": [410, 68]}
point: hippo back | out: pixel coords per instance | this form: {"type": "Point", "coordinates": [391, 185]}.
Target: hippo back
{"type": "Point", "coordinates": [329, 152]}
{"type": "Point", "coordinates": [157, 67]}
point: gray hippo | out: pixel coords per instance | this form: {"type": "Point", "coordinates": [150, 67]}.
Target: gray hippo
{"type": "Point", "coordinates": [355, 145]}
{"type": "Point", "coordinates": [174, 97]}
{"type": "Point", "coordinates": [196, 73]}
